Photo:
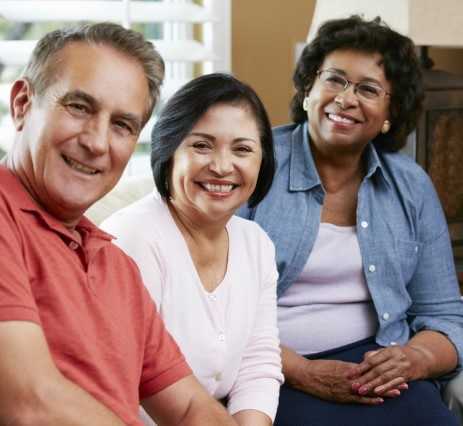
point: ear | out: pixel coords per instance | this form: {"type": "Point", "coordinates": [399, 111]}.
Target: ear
{"type": "Point", "coordinates": [20, 102]}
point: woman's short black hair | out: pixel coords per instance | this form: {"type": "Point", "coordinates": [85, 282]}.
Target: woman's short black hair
{"type": "Point", "coordinates": [401, 68]}
{"type": "Point", "coordinates": [187, 106]}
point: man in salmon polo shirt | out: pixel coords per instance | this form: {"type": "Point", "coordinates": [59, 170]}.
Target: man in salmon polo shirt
{"type": "Point", "coordinates": [80, 340]}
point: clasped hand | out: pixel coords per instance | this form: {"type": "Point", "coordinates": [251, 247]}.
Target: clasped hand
{"type": "Point", "coordinates": [384, 372]}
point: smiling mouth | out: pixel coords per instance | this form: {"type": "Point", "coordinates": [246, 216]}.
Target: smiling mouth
{"type": "Point", "coordinates": [210, 187]}
{"type": "Point", "coordinates": [340, 119]}
{"type": "Point", "coordinates": [79, 166]}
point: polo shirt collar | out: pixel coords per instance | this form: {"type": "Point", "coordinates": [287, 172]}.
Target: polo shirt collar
{"type": "Point", "coordinates": [26, 203]}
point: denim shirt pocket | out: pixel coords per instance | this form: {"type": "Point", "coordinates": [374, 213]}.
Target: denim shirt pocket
{"type": "Point", "coordinates": [407, 255]}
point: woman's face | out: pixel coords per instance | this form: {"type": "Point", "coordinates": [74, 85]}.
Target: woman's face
{"type": "Point", "coordinates": [349, 124]}
{"type": "Point", "coordinates": [215, 168]}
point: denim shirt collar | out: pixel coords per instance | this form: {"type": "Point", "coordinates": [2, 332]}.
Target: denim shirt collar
{"type": "Point", "coordinates": [374, 165]}
{"type": "Point", "coordinates": [303, 174]}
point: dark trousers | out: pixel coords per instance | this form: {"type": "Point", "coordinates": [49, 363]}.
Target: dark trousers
{"type": "Point", "coordinates": [420, 405]}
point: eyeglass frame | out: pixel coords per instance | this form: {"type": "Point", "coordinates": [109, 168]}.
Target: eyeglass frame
{"type": "Point", "coordinates": [354, 85]}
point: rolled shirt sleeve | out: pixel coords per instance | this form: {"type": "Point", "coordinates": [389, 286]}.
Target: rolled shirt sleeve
{"type": "Point", "coordinates": [436, 299]}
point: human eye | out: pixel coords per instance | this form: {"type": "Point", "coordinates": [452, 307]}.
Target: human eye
{"type": "Point", "coordinates": [243, 149]}
{"type": "Point", "coordinates": [333, 80]}
{"type": "Point", "coordinates": [369, 91]}
{"type": "Point", "coordinates": [124, 128]}
{"type": "Point", "coordinates": [77, 108]}
{"type": "Point", "coordinates": [200, 145]}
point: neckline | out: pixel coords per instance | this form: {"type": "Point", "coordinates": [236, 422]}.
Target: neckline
{"type": "Point", "coordinates": [338, 228]}
{"type": "Point", "coordinates": [225, 279]}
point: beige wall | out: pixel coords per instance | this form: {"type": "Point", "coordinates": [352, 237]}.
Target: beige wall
{"type": "Point", "coordinates": [264, 34]}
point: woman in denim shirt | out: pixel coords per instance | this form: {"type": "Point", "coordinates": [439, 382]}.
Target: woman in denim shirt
{"type": "Point", "coordinates": [369, 306]}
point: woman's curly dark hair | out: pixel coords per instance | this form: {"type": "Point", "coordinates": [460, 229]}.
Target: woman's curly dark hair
{"type": "Point", "coordinates": [401, 68]}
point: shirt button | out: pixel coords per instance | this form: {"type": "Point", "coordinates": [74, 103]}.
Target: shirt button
{"type": "Point", "coordinates": [386, 316]}
{"type": "Point", "coordinates": [221, 337]}
{"type": "Point", "coordinates": [213, 297]}
{"type": "Point", "coordinates": [364, 224]}
{"type": "Point", "coordinates": [372, 268]}
{"type": "Point", "coordinates": [73, 245]}
{"type": "Point", "coordinates": [218, 377]}
{"type": "Point", "coordinates": [393, 344]}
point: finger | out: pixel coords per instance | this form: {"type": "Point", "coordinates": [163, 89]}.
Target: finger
{"type": "Point", "coordinates": [389, 379]}
{"type": "Point", "coordinates": [373, 360]}
{"type": "Point", "coordinates": [355, 371]}
{"type": "Point", "coordinates": [368, 400]}
{"type": "Point", "coordinates": [369, 354]}
{"type": "Point", "coordinates": [393, 384]}
{"type": "Point", "coordinates": [378, 375]}
{"type": "Point", "coordinates": [394, 393]}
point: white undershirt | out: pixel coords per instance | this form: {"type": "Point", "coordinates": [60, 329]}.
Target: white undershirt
{"type": "Point", "coordinates": [329, 305]}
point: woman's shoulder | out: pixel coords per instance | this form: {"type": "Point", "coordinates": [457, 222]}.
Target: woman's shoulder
{"type": "Point", "coordinates": [250, 233]}
{"type": "Point", "coordinates": [284, 130]}
{"type": "Point", "coordinates": [145, 213]}
{"type": "Point", "coordinates": [281, 134]}
{"type": "Point", "coordinates": [401, 167]}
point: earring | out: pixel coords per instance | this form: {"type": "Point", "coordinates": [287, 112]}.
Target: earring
{"type": "Point", "coordinates": [386, 126]}
{"type": "Point", "coordinates": [305, 104]}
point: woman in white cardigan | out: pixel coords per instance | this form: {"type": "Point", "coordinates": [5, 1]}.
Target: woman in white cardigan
{"type": "Point", "coordinates": [212, 274]}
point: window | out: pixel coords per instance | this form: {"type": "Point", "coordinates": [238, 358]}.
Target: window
{"type": "Point", "coordinates": [193, 37]}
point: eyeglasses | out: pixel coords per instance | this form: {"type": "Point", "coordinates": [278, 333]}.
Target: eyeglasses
{"type": "Point", "coordinates": [366, 91]}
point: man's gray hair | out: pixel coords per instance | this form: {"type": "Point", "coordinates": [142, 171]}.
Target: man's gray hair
{"type": "Point", "coordinates": [41, 69]}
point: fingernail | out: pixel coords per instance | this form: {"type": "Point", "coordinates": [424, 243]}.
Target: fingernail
{"type": "Point", "coordinates": [379, 400]}
{"type": "Point", "coordinates": [363, 390]}
{"type": "Point", "coordinates": [356, 386]}
{"type": "Point", "coordinates": [403, 386]}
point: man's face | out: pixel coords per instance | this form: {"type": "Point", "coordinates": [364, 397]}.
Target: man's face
{"type": "Point", "coordinates": [74, 140]}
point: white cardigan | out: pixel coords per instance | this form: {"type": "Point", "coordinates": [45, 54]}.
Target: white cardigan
{"type": "Point", "coordinates": [229, 336]}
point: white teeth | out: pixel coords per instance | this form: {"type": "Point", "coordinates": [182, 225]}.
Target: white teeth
{"type": "Point", "coordinates": [340, 119]}
{"type": "Point", "coordinates": [217, 188]}
{"type": "Point", "coordinates": [80, 167]}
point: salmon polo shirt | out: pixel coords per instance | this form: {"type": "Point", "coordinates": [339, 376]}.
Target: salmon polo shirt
{"type": "Point", "coordinates": [101, 325]}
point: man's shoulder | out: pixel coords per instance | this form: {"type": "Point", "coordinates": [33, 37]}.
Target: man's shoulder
{"type": "Point", "coordinates": [8, 182]}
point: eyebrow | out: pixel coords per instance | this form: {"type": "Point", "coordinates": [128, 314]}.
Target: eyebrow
{"type": "Point", "coordinates": [365, 79]}
{"type": "Point", "coordinates": [213, 138]}
{"type": "Point", "coordinates": [79, 95]}
{"type": "Point", "coordinates": [75, 95]}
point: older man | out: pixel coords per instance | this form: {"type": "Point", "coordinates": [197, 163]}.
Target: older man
{"type": "Point", "coordinates": [80, 340]}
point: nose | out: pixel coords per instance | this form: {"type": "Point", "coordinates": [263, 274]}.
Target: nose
{"type": "Point", "coordinates": [348, 96]}
{"type": "Point", "coordinates": [96, 136]}
{"type": "Point", "coordinates": [221, 163]}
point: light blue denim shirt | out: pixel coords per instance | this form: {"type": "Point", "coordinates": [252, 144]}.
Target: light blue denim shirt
{"type": "Point", "coordinates": [402, 233]}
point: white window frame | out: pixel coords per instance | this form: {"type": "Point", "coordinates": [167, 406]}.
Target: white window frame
{"type": "Point", "coordinates": [178, 48]}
